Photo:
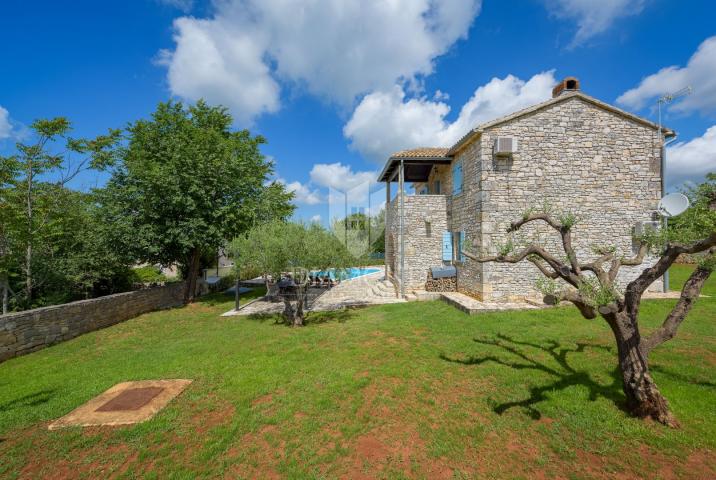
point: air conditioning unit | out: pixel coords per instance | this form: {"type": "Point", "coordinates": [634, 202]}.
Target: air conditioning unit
{"type": "Point", "coordinates": [643, 227]}
{"type": "Point", "coordinates": [505, 146]}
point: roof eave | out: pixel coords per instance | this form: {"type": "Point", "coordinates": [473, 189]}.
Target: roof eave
{"type": "Point", "coordinates": [382, 177]}
{"type": "Point", "coordinates": [464, 141]}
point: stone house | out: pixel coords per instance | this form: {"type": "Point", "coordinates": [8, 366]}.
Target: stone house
{"type": "Point", "coordinates": [573, 152]}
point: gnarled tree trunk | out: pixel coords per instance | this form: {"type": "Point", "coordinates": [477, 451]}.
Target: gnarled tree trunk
{"type": "Point", "coordinates": [294, 314]}
{"type": "Point", "coordinates": [643, 398]}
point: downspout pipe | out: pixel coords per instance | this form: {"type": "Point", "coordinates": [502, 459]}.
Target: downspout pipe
{"type": "Point", "coordinates": [401, 192]}
{"type": "Point", "coordinates": [663, 190]}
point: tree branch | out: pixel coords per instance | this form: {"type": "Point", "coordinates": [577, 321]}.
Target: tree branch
{"type": "Point", "coordinates": [617, 263]}
{"type": "Point", "coordinates": [514, 226]}
{"type": "Point", "coordinates": [564, 232]}
{"type": "Point", "coordinates": [546, 272]}
{"type": "Point", "coordinates": [560, 268]}
{"type": "Point", "coordinates": [689, 294]}
{"type": "Point", "coordinates": [587, 310]}
{"type": "Point", "coordinates": [637, 287]}
{"type": "Point", "coordinates": [596, 267]}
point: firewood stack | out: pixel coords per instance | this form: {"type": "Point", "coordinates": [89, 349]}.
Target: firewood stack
{"type": "Point", "coordinates": [445, 284]}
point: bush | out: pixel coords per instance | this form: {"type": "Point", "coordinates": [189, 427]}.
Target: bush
{"type": "Point", "coordinates": [148, 274]}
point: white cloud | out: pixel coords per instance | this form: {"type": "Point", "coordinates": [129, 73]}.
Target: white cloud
{"type": "Point", "coordinates": [592, 17]}
{"type": "Point", "coordinates": [316, 219]}
{"type": "Point", "coordinates": [339, 177]}
{"type": "Point", "coordinates": [303, 194]}
{"type": "Point", "coordinates": [337, 50]}
{"type": "Point", "coordinates": [5, 126]}
{"type": "Point", "coordinates": [223, 65]}
{"type": "Point", "coordinates": [385, 121]}
{"type": "Point", "coordinates": [183, 5]}
{"type": "Point", "coordinates": [692, 159]}
{"type": "Point", "coordinates": [700, 73]}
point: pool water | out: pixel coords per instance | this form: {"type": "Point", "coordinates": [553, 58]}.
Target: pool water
{"type": "Point", "coordinates": [353, 272]}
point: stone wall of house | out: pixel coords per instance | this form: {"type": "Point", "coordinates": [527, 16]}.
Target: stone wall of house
{"type": "Point", "coordinates": [425, 222]}
{"type": "Point", "coordinates": [25, 332]}
{"type": "Point", "coordinates": [574, 156]}
{"type": "Point", "coordinates": [465, 214]}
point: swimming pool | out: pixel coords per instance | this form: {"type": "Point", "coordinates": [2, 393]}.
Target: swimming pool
{"type": "Point", "coordinates": [349, 273]}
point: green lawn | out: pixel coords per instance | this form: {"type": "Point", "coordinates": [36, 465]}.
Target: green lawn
{"type": "Point", "coordinates": [416, 390]}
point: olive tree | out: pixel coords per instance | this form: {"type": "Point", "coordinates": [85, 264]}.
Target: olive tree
{"type": "Point", "coordinates": [591, 286]}
{"type": "Point", "coordinates": [291, 251]}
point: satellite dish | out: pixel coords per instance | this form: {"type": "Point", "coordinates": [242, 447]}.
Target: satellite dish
{"type": "Point", "coordinates": [672, 205]}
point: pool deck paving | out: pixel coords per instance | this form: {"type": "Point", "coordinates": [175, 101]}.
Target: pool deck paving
{"type": "Point", "coordinates": [374, 289]}
{"type": "Point", "coordinates": [369, 289]}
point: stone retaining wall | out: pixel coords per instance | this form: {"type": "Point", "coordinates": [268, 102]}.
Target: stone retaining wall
{"type": "Point", "coordinates": [25, 332]}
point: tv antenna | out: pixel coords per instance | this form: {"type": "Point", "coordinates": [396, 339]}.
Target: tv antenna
{"type": "Point", "coordinates": [663, 100]}
{"type": "Point", "coordinates": [670, 97]}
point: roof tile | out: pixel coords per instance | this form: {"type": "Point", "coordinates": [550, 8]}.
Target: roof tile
{"type": "Point", "coordinates": [421, 152]}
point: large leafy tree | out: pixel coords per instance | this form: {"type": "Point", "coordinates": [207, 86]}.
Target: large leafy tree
{"type": "Point", "coordinates": [183, 182]}
{"type": "Point", "coordinates": [591, 285]}
{"type": "Point", "coordinates": [32, 186]}
{"type": "Point", "coordinates": [277, 249]}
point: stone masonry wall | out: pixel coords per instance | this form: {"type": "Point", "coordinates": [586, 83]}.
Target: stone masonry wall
{"type": "Point", "coordinates": [425, 222]}
{"type": "Point", "coordinates": [576, 157]}
{"type": "Point", "coordinates": [465, 214]}
{"type": "Point", "coordinates": [25, 332]}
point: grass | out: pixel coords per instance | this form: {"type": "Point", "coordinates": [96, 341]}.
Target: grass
{"type": "Point", "coordinates": [416, 390]}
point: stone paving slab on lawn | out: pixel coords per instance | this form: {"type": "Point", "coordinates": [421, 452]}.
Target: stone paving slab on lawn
{"type": "Point", "coordinates": [125, 403]}
{"type": "Point", "coordinates": [471, 306]}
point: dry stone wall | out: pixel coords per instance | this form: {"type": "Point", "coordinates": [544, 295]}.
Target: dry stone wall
{"type": "Point", "coordinates": [25, 332]}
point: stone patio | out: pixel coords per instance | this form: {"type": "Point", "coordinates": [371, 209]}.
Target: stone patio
{"type": "Point", "coordinates": [374, 289]}
{"type": "Point", "coordinates": [371, 289]}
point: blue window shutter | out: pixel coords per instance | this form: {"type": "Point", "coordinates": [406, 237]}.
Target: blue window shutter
{"type": "Point", "coordinates": [457, 178]}
{"type": "Point", "coordinates": [447, 246]}
{"type": "Point", "coordinates": [462, 246]}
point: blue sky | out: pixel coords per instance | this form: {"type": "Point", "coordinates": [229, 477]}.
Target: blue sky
{"type": "Point", "coordinates": [335, 86]}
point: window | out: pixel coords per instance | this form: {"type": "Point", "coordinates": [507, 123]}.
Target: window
{"type": "Point", "coordinates": [436, 187]}
{"type": "Point", "coordinates": [457, 178]}
{"type": "Point", "coordinates": [458, 240]}
{"type": "Point", "coordinates": [447, 246]}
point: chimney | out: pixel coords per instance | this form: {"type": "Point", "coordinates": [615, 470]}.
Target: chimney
{"type": "Point", "coordinates": [569, 84]}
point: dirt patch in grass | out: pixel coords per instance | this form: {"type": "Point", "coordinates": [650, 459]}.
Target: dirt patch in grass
{"type": "Point", "coordinates": [105, 458]}
{"type": "Point", "coordinates": [701, 464]}
{"type": "Point", "coordinates": [257, 457]}
{"type": "Point", "coordinates": [204, 420]}
{"type": "Point", "coordinates": [391, 451]}
{"type": "Point", "coordinates": [268, 398]}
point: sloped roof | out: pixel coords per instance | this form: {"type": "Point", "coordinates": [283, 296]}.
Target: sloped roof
{"type": "Point", "coordinates": [420, 161]}
{"type": "Point", "coordinates": [440, 155]}
{"type": "Point", "coordinates": [421, 152]}
{"type": "Point", "coordinates": [552, 101]}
